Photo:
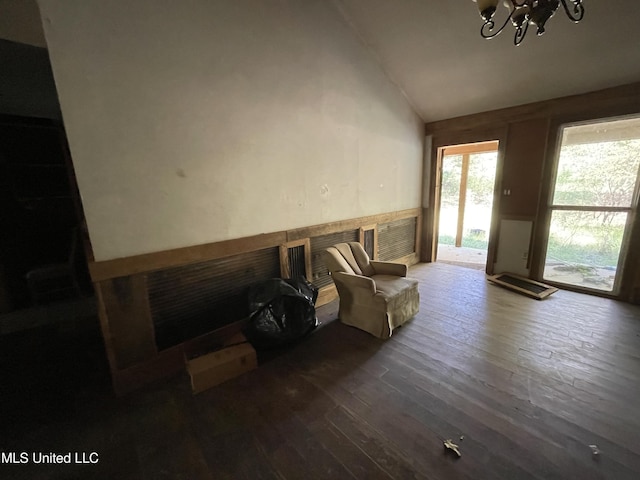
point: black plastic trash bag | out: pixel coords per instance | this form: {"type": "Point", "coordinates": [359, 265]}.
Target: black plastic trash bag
{"type": "Point", "coordinates": [282, 311]}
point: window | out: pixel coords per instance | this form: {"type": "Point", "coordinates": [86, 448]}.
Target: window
{"type": "Point", "coordinates": [594, 197]}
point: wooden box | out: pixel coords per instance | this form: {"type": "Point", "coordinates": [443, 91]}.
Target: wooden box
{"type": "Point", "coordinates": [216, 367]}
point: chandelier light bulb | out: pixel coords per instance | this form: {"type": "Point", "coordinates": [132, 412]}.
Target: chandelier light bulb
{"type": "Point", "coordinates": [487, 8]}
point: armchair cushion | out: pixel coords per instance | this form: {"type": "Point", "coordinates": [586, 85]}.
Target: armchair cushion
{"type": "Point", "coordinates": [352, 258]}
{"type": "Point", "coordinates": [391, 285]}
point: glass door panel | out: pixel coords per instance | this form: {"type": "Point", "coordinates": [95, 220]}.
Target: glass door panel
{"type": "Point", "coordinates": [596, 190]}
{"type": "Point", "coordinates": [584, 248]}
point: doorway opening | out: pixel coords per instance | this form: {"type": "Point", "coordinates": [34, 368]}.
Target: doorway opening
{"type": "Point", "coordinates": [594, 198]}
{"type": "Point", "coordinates": [466, 176]}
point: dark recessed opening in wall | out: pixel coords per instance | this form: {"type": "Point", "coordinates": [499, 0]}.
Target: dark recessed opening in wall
{"type": "Point", "coordinates": [40, 212]}
{"type": "Point", "coordinates": [51, 346]}
{"type": "Point", "coordinates": [39, 218]}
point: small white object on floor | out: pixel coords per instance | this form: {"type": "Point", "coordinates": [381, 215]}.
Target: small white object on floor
{"type": "Point", "coordinates": [448, 443]}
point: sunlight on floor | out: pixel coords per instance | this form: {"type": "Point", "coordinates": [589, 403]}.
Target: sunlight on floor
{"type": "Point", "coordinates": [463, 256]}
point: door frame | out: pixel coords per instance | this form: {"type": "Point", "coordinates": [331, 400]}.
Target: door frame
{"type": "Point", "coordinates": [465, 150]}
{"type": "Point", "coordinates": [543, 220]}
{"type": "Point", "coordinates": [431, 204]}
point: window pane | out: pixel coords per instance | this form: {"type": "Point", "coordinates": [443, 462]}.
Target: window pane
{"type": "Point", "coordinates": [598, 164]}
{"type": "Point", "coordinates": [450, 196]}
{"type": "Point", "coordinates": [479, 199]}
{"type": "Point", "coordinates": [584, 248]}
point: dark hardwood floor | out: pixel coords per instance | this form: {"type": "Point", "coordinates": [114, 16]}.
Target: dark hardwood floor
{"type": "Point", "coordinates": [524, 387]}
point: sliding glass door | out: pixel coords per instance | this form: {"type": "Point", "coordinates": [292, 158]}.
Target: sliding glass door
{"type": "Point", "coordinates": [594, 198]}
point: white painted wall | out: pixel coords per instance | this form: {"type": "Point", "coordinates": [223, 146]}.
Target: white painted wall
{"type": "Point", "coordinates": [513, 247]}
{"type": "Point", "coordinates": [198, 121]}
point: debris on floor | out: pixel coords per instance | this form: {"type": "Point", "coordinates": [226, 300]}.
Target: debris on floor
{"type": "Point", "coordinates": [461, 437]}
{"type": "Point", "coordinates": [448, 444]}
{"type": "Point", "coordinates": [595, 451]}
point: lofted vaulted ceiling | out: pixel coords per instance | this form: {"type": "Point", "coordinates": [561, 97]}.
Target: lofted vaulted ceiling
{"type": "Point", "coordinates": [433, 51]}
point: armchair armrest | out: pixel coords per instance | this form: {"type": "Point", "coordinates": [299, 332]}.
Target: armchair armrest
{"type": "Point", "coordinates": [357, 283]}
{"type": "Point", "coordinates": [389, 268]}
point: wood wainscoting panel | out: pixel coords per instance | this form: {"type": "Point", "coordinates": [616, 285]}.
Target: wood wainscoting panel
{"type": "Point", "coordinates": [148, 262]}
{"type": "Point", "coordinates": [155, 308]}
{"type": "Point", "coordinates": [295, 259]}
{"type": "Point", "coordinates": [368, 237]}
{"type": "Point", "coordinates": [320, 274]}
{"type": "Point", "coordinates": [397, 239]}
{"type": "Point", "coordinates": [523, 167]}
{"type": "Point", "coordinates": [193, 299]}
{"type": "Point", "coordinates": [127, 320]}
{"type": "Point", "coordinates": [408, 260]}
{"type": "Point", "coordinates": [326, 295]}
{"type": "Point", "coordinates": [352, 224]}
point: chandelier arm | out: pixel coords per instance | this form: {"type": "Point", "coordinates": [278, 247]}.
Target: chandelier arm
{"type": "Point", "coordinates": [578, 10]}
{"type": "Point", "coordinates": [490, 23]}
{"type": "Point", "coordinates": [521, 31]}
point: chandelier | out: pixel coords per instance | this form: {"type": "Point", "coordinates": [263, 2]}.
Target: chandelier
{"type": "Point", "coordinates": [523, 13]}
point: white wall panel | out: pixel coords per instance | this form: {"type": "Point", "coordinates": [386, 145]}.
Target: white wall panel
{"type": "Point", "coordinates": [199, 121]}
{"type": "Point", "coordinates": [513, 247]}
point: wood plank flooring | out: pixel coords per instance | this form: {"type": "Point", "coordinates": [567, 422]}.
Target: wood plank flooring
{"type": "Point", "coordinates": [522, 386]}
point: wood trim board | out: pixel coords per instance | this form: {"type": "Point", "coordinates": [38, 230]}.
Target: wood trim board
{"type": "Point", "coordinates": [625, 96]}
{"type": "Point", "coordinates": [361, 234]}
{"type": "Point", "coordinates": [478, 147]}
{"type": "Point", "coordinates": [326, 295]}
{"type": "Point", "coordinates": [120, 267]}
{"type": "Point", "coordinates": [351, 224]}
{"type": "Point", "coordinates": [148, 262]}
{"type": "Point", "coordinates": [285, 267]}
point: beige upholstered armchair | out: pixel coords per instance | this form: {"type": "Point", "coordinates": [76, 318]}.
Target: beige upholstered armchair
{"type": "Point", "coordinates": [374, 296]}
